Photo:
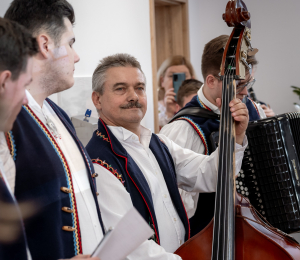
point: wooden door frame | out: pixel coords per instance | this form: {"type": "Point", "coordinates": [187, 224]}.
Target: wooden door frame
{"type": "Point", "coordinates": [154, 52]}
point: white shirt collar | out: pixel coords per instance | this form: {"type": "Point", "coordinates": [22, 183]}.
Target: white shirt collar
{"type": "Point", "coordinates": [124, 135]}
{"type": "Point", "coordinates": [31, 101]}
{"type": "Point", "coordinates": [201, 96]}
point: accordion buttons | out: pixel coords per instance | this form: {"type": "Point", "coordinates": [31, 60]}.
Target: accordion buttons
{"type": "Point", "coordinates": [68, 228]}
{"type": "Point", "coordinates": [65, 190]}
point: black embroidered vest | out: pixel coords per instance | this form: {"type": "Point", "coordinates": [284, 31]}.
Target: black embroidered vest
{"type": "Point", "coordinates": [106, 150]}
{"type": "Point", "coordinates": [43, 176]}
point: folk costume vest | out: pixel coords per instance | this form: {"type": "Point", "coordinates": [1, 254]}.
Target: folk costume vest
{"type": "Point", "coordinates": [17, 249]}
{"type": "Point", "coordinates": [204, 127]}
{"type": "Point", "coordinates": [43, 176]}
{"type": "Point", "coordinates": [105, 150]}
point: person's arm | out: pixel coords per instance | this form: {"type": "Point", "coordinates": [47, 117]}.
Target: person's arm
{"type": "Point", "coordinates": [183, 134]}
{"type": "Point", "coordinates": [114, 202]}
{"type": "Point", "coordinates": [196, 172]}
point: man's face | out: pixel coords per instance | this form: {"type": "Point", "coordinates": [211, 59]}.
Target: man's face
{"type": "Point", "coordinates": [244, 92]}
{"type": "Point", "coordinates": [124, 99]}
{"type": "Point", "coordinates": [62, 65]}
{"type": "Point", "coordinates": [167, 80]}
{"type": "Point", "coordinates": [13, 97]}
{"type": "Point", "coordinates": [239, 95]}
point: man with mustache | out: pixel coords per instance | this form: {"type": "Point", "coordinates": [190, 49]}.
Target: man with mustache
{"type": "Point", "coordinates": [139, 168]}
{"type": "Point", "coordinates": [52, 166]}
{"type": "Point", "coordinates": [193, 132]}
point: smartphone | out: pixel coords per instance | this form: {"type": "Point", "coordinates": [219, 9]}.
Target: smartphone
{"type": "Point", "coordinates": [178, 78]}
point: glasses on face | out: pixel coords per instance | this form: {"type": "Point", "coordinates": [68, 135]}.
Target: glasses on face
{"type": "Point", "coordinates": [241, 86]}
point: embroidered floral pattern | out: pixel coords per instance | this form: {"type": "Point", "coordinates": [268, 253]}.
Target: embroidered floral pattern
{"type": "Point", "coordinates": [111, 169]}
{"type": "Point", "coordinates": [102, 136]}
{"type": "Point", "coordinates": [199, 132]}
{"type": "Point", "coordinates": [11, 144]}
{"type": "Point", "coordinates": [75, 219]}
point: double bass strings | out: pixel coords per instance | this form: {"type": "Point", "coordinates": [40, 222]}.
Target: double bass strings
{"type": "Point", "coordinates": [220, 241]}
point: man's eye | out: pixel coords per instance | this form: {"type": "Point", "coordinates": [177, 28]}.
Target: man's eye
{"type": "Point", "coordinates": [119, 89]}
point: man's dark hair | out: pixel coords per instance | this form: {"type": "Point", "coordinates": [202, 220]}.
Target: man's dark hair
{"type": "Point", "coordinates": [16, 46]}
{"type": "Point", "coordinates": [42, 15]}
{"type": "Point", "coordinates": [188, 87]}
{"type": "Point", "coordinates": [213, 54]}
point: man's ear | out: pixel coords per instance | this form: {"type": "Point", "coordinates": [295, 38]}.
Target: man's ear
{"type": "Point", "coordinates": [177, 108]}
{"type": "Point", "coordinates": [5, 77]}
{"type": "Point", "coordinates": [210, 81]}
{"type": "Point", "coordinates": [96, 98]}
{"type": "Point", "coordinates": [45, 45]}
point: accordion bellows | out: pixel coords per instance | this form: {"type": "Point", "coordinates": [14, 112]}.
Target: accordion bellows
{"type": "Point", "coordinates": [270, 170]}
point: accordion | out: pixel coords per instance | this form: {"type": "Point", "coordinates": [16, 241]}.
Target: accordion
{"type": "Point", "coordinates": [269, 177]}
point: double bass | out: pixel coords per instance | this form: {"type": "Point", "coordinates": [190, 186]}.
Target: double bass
{"type": "Point", "coordinates": [236, 231]}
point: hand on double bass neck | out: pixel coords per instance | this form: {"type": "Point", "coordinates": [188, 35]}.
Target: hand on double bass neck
{"type": "Point", "coordinates": [240, 114]}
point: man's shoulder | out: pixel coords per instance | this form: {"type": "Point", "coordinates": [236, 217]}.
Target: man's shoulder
{"type": "Point", "coordinates": [97, 139]}
{"type": "Point", "coordinates": [175, 126]}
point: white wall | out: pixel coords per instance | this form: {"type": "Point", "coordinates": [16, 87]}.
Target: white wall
{"type": "Point", "coordinates": [274, 33]}
{"type": "Point", "coordinates": [4, 4]}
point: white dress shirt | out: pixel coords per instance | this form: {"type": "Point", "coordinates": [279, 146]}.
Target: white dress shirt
{"type": "Point", "coordinates": [91, 232]}
{"type": "Point", "coordinates": [8, 162]}
{"type": "Point", "coordinates": [183, 134]}
{"type": "Point", "coordinates": [195, 172]}
{"type": "Point", "coordinates": [8, 171]}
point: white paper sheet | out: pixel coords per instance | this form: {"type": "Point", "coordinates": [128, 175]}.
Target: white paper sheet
{"type": "Point", "coordinates": [131, 231]}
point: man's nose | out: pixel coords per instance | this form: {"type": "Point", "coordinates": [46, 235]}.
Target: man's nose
{"type": "Point", "coordinates": [244, 91]}
{"type": "Point", "coordinates": [76, 57]}
{"type": "Point", "coordinates": [132, 95]}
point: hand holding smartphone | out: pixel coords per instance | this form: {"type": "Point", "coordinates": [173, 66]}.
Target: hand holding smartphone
{"type": "Point", "coordinates": [178, 78]}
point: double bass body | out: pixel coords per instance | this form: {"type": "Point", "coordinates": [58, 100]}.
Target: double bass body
{"type": "Point", "coordinates": [254, 239]}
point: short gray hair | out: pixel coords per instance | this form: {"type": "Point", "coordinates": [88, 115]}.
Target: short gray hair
{"type": "Point", "coordinates": [116, 60]}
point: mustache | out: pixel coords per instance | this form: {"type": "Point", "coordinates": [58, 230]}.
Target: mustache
{"type": "Point", "coordinates": [131, 105]}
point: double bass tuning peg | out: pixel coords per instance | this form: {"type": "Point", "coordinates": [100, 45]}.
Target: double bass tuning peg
{"type": "Point", "coordinates": [252, 52]}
